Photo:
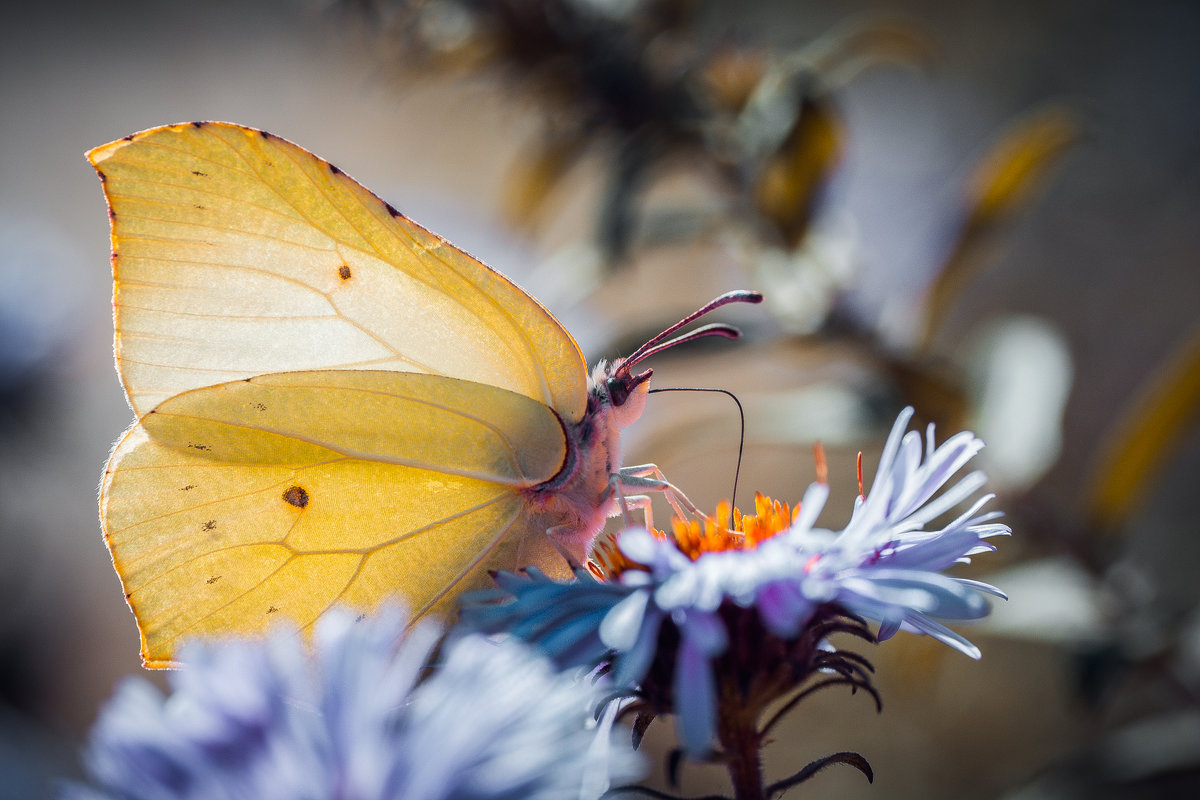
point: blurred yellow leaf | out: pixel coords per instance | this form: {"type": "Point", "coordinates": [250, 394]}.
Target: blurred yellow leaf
{"type": "Point", "coordinates": [1017, 164]}
{"type": "Point", "coordinates": [1142, 440]}
{"type": "Point", "coordinates": [863, 42]}
{"type": "Point", "coordinates": [792, 178]}
{"type": "Point", "coordinates": [1003, 183]}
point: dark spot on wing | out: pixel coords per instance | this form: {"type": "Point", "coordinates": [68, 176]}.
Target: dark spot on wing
{"type": "Point", "coordinates": [213, 579]}
{"type": "Point", "coordinates": [259, 406]}
{"type": "Point", "coordinates": [198, 172]}
{"type": "Point", "coordinates": [195, 446]}
{"type": "Point", "coordinates": [189, 487]}
{"type": "Point", "coordinates": [128, 138]}
{"type": "Point", "coordinates": [344, 272]}
{"type": "Point", "coordinates": [208, 526]}
{"type": "Point", "coordinates": [103, 177]}
{"type": "Point", "coordinates": [197, 124]}
{"type": "Point", "coordinates": [112, 215]}
{"type": "Point", "coordinates": [202, 208]}
{"type": "Point", "coordinates": [272, 610]}
{"type": "Point", "coordinates": [334, 170]}
{"type": "Point", "coordinates": [391, 210]}
{"type": "Point", "coordinates": [296, 496]}
{"type": "Point", "coordinates": [266, 135]}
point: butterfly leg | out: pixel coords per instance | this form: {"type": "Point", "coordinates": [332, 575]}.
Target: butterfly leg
{"type": "Point", "coordinates": [635, 502]}
{"type": "Point", "coordinates": [651, 478]}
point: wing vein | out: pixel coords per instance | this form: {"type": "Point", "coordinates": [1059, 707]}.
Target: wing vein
{"type": "Point", "coordinates": [531, 362]}
{"type": "Point", "coordinates": [222, 499]}
{"type": "Point", "coordinates": [355, 455]}
{"type": "Point", "coordinates": [470, 566]}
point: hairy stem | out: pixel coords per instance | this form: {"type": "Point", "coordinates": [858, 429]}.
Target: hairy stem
{"type": "Point", "coordinates": [741, 745]}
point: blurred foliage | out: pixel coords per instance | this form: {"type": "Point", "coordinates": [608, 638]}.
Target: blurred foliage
{"type": "Point", "coordinates": [649, 87]}
{"type": "Point", "coordinates": [1144, 437]}
{"type": "Point", "coordinates": [998, 191]}
{"type": "Point", "coordinates": [637, 77]}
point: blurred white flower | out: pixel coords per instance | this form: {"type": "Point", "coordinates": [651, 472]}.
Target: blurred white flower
{"type": "Point", "coordinates": [359, 715]}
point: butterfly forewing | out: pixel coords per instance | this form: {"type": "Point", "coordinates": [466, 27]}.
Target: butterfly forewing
{"type": "Point", "coordinates": [237, 253]}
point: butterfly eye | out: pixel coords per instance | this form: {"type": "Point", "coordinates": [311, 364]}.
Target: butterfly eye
{"type": "Point", "coordinates": [621, 385]}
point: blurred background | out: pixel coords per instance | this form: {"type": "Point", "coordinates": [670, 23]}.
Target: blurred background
{"type": "Point", "coordinates": [986, 209]}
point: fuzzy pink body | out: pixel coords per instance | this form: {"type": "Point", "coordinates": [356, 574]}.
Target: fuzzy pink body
{"type": "Point", "coordinates": [574, 504]}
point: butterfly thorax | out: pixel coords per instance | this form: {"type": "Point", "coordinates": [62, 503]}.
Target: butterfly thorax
{"type": "Point", "coordinates": [574, 504]}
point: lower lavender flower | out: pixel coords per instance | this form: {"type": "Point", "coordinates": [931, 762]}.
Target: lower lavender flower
{"type": "Point", "coordinates": [358, 716]}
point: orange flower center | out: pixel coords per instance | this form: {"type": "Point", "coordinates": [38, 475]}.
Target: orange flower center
{"type": "Point", "coordinates": [695, 537]}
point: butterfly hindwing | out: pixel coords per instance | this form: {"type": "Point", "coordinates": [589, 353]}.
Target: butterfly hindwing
{"type": "Point", "coordinates": [231, 507]}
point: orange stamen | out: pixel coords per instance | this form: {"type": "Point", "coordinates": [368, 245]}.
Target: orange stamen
{"type": "Point", "coordinates": [861, 495]}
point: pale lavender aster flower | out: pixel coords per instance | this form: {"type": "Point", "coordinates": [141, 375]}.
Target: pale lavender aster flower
{"type": "Point", "coordinates": [354, 718]}
{"type": "Point", "coordinates": [673, 617]}
{"type": "Point", "coordinates": [885, 565]}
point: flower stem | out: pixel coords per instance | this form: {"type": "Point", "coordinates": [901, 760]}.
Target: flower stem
{"type": "Point", "coordinates": [740, 743]}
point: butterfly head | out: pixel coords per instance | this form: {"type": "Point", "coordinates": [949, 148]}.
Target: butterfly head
{"type": "Point", "coordinates": [617, 386]}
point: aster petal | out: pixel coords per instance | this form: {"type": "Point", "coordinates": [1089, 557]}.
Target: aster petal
{"type": "Point", "coordinates": [640, 546]}
{"type": "Point", "coordinates": [887, 629]}
{"type": "Point", "coordinates": [696, 700]}
{"type": "Point", "coordinates": [597, 778]}
{"type": "Point", "coordinates": [560, 619]}
{"type": "Point", "coordinates": [922, 624]}
{"type": "Point", "coordinates": [935, 553]}
{"type": "Point", "coordinates": [980, 586]}
{"type": "Point", "coordinates": [905, 475]}
{"type": "Point", "coordinates": [633, 664]}
{"type": "Point", "coordinates": [810, 506]}
{"type": "Point", "coordinates": [987, 531]}
{"type": "Point", "coordinates": [892, 445]}
{"type": "Point", "coordinates": [576, 641]}
{"type": "Point", "coordinates": [685, 587]}
{"type": "Point", "coordinates": [784, 608]}
{"type": "Point", "coordinates": [918, 590]}
{"type": "Point", "coordinates": [941, 464]}
{"type": "Point", "coordinates": [967, 486]}
{"type": "Point", "coordinates": [622, 624]}
{"type": "Point", "coordinates": [882, 486]}
{"type": "Point", "coordinates": [704, 631]}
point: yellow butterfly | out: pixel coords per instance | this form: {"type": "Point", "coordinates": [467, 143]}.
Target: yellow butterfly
{"type": "Point", "coordinates": [333, 404]}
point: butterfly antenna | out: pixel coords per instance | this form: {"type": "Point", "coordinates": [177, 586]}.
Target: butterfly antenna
{"type": "Point", "coordinates": [741, 437]}
{"type": "Point", "coordinates": [656, 344]}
